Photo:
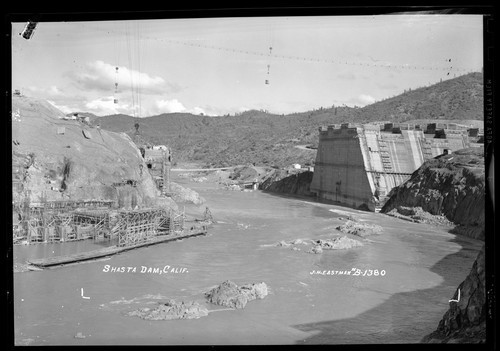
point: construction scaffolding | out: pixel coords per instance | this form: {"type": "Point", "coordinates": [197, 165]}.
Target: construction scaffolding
{"type": "Point", "coordinates": [207, 216]}
{"type": "Point", "coordinates": [61, 221]}
{"type": "Point", "coordinates": [140, 225]}
{"type": "Point", "coordinates": [92, 223]}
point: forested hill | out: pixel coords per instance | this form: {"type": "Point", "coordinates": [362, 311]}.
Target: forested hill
{"type": "Point", "coordinates": [269, 139]}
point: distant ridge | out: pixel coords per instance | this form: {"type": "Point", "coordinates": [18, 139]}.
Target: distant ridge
{"type": "Point", "coordinates": [269, 139]}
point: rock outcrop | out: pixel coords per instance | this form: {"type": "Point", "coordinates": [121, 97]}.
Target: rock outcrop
{"type": "Point", "coordinates": [59, 159]}
{"type": "Point", "coordinates": [453, 186]}
{"type": "Point", "coordinates": [340, 243]}
{"type": "Point", "coordinates": [231, 295]}
{"type": "Point", "coordinates": [359, 229]}
{"type": "Point", "coordinates": [244, 174]}
{"type": "Point", "coordinates": [185, 195]}
{"type": "Point", "coordinates": [282, 243]}
{"type": "Point", "coordinates": [298, 242]}
{"type": "Point", "coordinates": [280, 181]}
{"type": "Point", "coordinates": [172, 310]}
{"type": "Point", "coordinates": [418, 215]}
{"type": "Point", "coordinates": [315, 250]}
{"type": "Point", "coordinates": [465, 321]}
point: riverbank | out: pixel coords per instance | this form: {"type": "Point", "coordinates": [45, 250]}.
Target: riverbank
{"type": "Point", "coordinates": [465, 321]}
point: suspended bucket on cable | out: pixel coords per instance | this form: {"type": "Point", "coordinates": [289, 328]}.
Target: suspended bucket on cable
{"type": "Point", "coordinates": [269, 65]}
{"type": "Point", "coordinates": [115, 100]}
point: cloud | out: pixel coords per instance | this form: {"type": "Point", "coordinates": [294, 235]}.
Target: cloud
{"type": "Point", "coordinates": [104, 102]}
{"type": "Point", "coordinates": [65, 109]}
{"type": "Point", "coordinates": [47, 92]}
{"type": "Point", "coordinates": [159, 106]}
{"type": "Point", "coordinates": [210, 111]}
{"type": "Point", "coordinates": [170, 106]}
{"type": "Point", "coordinates": [366, 99]}
{"type": "Point", "coordinates": [146, 108]}
{"type": "Point", "coordinates": [101, 76]}
{"type": "Point", "coordinates": [361, 100]}
{"type": "Point", "coordinates": [198, 111]}
{"type": "Point", "coordinates": [106, 106]}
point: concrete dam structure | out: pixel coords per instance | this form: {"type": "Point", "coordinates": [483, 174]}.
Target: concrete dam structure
{"type": "Point", "coordinates": [357, 165]}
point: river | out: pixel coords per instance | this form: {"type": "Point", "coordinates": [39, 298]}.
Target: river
{"type": "Point", "coordinates": [422, 266]}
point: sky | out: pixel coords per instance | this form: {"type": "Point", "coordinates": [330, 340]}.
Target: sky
{"type": "Point", "coordinates": [219, 66]}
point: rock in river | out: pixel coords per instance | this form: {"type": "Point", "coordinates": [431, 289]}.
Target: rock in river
{"type": "Point", "coordinates": [316, 250]}
{"type": "Point", "coordinates": [298, 241]}
{"type": "Point", "coordinates": [172, 310]}
{"type": "Point", "coordinates": [338, 243]}
{"type": "Point", "coordinates": [230, 295]}
{"type": "Point", "coordinates": [282, 243]}
{"type": "Point", "coordinates": [359, 229]}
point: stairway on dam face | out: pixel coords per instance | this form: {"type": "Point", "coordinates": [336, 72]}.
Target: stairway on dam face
{"type": "Point", "coordinates": [384, 154]}
{"type": "Point", "coordinates": [387, 161]}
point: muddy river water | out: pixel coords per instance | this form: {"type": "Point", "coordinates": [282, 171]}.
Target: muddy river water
{"type": "Point", "coordinates": [422, 266]}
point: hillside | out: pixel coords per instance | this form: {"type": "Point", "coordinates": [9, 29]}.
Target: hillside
{"type": "Point", "coordinates": [455, 99]}
{"type": "Point", "coordinates": [57, 159]}
{"type": "Point", "coordinates": [268, 139]}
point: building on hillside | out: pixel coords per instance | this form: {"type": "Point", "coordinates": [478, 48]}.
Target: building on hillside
{"type": "Point", "coordinates": [357, 165]}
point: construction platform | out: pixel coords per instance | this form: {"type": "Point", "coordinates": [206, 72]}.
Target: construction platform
{"type": "Point", "coordinates": [51, 262]}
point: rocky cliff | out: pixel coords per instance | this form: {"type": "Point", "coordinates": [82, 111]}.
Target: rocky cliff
{"type": "Point", "coordinates": [452, 186]}
{"type": "Point", "coordinates": [59, 159]}
{"type": "Point", "coordinates": [288, 182]}
{"type": "Point", "coordinates": [465, 321]}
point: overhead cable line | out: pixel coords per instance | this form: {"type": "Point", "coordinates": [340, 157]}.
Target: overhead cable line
{"type": "Point", "coordinates": [337, 61]}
